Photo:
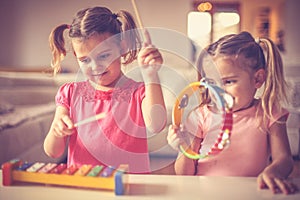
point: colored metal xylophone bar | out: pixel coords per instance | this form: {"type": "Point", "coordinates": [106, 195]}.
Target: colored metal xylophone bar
{"type": "Point", "coordinates": [86, 176]}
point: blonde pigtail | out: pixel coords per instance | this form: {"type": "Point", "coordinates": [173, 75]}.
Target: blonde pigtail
{"type": "Point", "coordinates": [274, 95]}
{"type": "Point", "coordinates": [57, 47]}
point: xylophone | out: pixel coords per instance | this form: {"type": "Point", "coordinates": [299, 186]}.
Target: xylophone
{"type": "Point", "coordinates": [86, 176]}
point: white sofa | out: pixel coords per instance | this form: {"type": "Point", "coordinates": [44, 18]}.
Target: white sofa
{"type": "Point", "coordinates": [26, 112]}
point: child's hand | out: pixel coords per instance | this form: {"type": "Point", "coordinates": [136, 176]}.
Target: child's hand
{"type": "Point", "coordinates": [175, 138]}
{"type": "Point", "coordinates": [269, 179]}
{"type": "Point", "coordinates": [149, 58]}
{"type": "Point", "coordinates": [62, 126]}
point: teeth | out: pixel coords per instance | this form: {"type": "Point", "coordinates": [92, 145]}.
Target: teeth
{"type": "Point", "coordinates": [98, 74]}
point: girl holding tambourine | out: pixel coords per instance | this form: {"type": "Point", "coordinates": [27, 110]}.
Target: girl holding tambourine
{"type": "Point", "coordinates": [259, 144]}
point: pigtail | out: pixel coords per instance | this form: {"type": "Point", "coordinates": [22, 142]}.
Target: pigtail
{"type": "Point", "coordinates": [57, 47]}
{"type": "Point", "coordinates": [274, 95]}
{"type": "Point", "coordinates": [130, 35]}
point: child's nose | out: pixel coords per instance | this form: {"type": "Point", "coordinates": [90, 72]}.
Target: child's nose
{"type": "Point", "coordinates": [96, 66]}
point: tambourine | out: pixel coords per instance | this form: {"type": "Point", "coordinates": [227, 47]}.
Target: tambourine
{"type": "Point", "coordinates": [224, 104]}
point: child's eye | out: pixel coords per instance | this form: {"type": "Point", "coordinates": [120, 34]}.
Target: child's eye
{"type": "Point", "coordinates": [229, 82]}
{"type": "Point", "coordinates": [85, 60]}
{"type": "Point", "coordinates": [103, 56]}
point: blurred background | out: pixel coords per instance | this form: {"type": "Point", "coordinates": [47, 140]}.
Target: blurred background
{"type": "Point", "coordinates": [179, 27]}
{"type": "Point", "coordinates": [26, 24]}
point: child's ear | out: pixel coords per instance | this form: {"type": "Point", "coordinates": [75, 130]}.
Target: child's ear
{"type": "Point", "coordinates": [260, 77]}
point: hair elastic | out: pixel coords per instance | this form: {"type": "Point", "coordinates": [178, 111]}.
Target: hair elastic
{"type": "Point", "coordinates": [114, 16]}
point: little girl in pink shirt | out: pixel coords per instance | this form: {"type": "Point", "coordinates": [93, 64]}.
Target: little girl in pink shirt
{"type": "Point", "coordinates": [259, 144]}
{"type": "Point", "coordinates": [102, 41]}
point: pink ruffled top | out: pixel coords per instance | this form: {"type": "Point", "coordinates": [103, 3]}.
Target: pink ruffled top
{"type": "Point", "coordinates": [248, 153]}
{"type": "Point", "coordinates": [119, 138]}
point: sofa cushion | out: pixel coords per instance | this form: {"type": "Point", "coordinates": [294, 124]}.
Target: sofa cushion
{"type": "Point", "coordinates": [24, 113]}
{"type": "Point", "coordinates": [5, 107]}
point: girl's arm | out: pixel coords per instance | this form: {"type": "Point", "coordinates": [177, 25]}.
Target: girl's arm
{"type": "Point", "coordinates": [153, 105]}
{"type": "Point", "coordinates": [185, 165]}
{"type": "Point", "coordinates": [274, 176]}
{"type": "Point", "coordinates": [62, 125]}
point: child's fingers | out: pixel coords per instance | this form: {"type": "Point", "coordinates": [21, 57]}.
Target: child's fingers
{"type": "Point", "coordinates": [175, 144]}
{"type": "Point", "coordinates": [63, 126]}
{"type": "Point", "coordinates": [172, 137]}
{"type": "Point", "coordinates": [146, 51]}
{"type": "Point", "coordinates": [68, 122]}
{"type": "Point", "coordinates": [276, 185]}
{"type": "Point", "coordinates": [285, 186]}
{"type": "Point", "coordinates": [173, 141]}
{"type": "Point", "coordinates": [147, 38]}
{"type": "Point", "coordinates": [280, 186]}
{"type": "Point", "coordinates": [171, 133]}
{"type": "Point", "coordinates": [260, 182]}
{"type": "Point", "coordinates": [60, 130]}
{"type": "Point", "coordinates": [153, 58]}
{"type": "Point", "coordinates": [293, 188]}
{"type": "Point", "coordinates": [149, 55]}
{"type": "Point", "coordinates": [270, 183]}
{"type": "Point", "coordinates": [173, 127]}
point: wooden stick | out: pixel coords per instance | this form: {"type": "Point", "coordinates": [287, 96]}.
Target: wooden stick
{"type": "Point", "coordinates": [137, 14]}
{"type": "Point", "coordinates": [90, 119]}
{"type": "Point", "coordinates": [145, 34]}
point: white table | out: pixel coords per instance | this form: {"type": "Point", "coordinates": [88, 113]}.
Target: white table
{"type": "Point", "coordinates": [154, 187]}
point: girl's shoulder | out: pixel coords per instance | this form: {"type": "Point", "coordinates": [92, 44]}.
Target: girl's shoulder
{"type": "Point", "coordinates": [277, 110]}
{"type": "Point", "coordinates": [70, 86]}
{"type": "Point", "coordinates": [128, 83]}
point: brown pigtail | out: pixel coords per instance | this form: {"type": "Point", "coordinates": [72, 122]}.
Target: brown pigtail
{"type": "Point", "coordinates": [57, 46]}
{"type": "Point", "coordinates": [131, 36]}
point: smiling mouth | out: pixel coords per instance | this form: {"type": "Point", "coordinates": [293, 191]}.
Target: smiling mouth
{"type": "Point", "coordinates": [99, 73]}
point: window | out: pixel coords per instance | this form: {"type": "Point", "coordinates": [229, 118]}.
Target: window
{"type": "Point", "coordinates": [210, 21]}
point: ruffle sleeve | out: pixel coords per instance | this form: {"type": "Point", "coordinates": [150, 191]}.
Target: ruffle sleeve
{"type": "Point", "coordinates": [277, 115]}
{"type": "Point", "coordinates": [63, 95]}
